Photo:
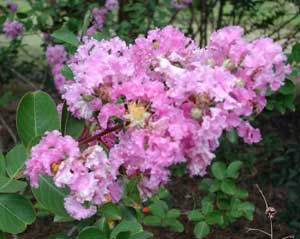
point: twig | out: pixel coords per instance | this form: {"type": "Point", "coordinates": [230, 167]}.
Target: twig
{"type": "Point", "coordinates": [94, 137]}
{"type": "Point", "coordinates": [289, 237]}
{"type": "Point", "coordinates": [9, 130]}
{"type": "Point", "coordinates": [258, 230]}
{"type": "Point", "coordinates": [15, 236]}
{"type": "Point", "coordinates": [262, 194]}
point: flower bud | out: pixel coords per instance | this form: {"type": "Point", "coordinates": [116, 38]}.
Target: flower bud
{"type": "Point", "coordinates": [228, 64]}
{"type": "Point", "coordinates": [239, 82]}
{"type": "Point", "coordinates": [196, 113]}
{"type": "Point", "coordinates": [211, 62]}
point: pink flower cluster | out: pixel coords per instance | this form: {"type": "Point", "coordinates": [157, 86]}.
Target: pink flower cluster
{"type": "Point", "coordinates": [159, 102]}
{"type": "Point", "coordinates": [90, 175]}
{"type": "Point", "coordinates": [179, 4]}
{"type": "Point", "coordinates": [12, 29]}
{"type": "Point", "coordinates": [57, 57]}
{"type": "Point", "coordinates": [99, 15]}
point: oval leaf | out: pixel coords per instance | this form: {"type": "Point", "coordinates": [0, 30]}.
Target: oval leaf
{"type": "Point", "coordinates": [91, 233]}
{"type": "Point", "coordinates": [218, 170]}
{"type": "Point", "coordinates": [16, 213]}
{"type": "Point", "coordinates": [51, 197]}
{"type": "Point", "coordinates": [126, 226]}
{"type": "Point", "coordinates": [233, 169]}
{"type": "Point", "coordinates": [8, 185]}
{"type": "Point", "coordinates": [70, 125]}
{"type": "Point", "coordinates": [15, 160]}
{"type": "Point", "coordinates": [36, 114]}
{"type": "Point", "coordinates": [201, 230]}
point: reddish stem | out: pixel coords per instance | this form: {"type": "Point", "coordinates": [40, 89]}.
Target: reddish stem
{"type": "Point", "coordinates": [94, 137]}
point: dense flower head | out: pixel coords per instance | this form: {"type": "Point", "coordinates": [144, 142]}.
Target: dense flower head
{"type": "Point", "coordinates": [158, 102]}
{"type": "Point", "coordinates": [12, 29]}
{"type": "Point", "coordinates": [57, 57]}
{"type": "Point", "coordinates": [12, 7]}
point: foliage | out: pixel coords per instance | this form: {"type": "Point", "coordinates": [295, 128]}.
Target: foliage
{"type": "Point", "coordinates": [67, 23]}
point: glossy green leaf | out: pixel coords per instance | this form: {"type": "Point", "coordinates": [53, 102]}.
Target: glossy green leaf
{"type": "Point", "coordinates": [142, 235]}
{"type": "Point", "coordinates": [15, 160]}
{"type": "Point", "coordinates": [152, 220]}
{"type": "Point", "coordinates": [36, 114]}
{"type": "Point", "coordinates": [207, 205]}
{"type": "Point", "coordinates": [233, 169]}
{"type": "Point", "coordinates": [2, 165]}
{"type": "Point", "coordinates": [111, 211]}
{"type": "Point", "coordinates": [69, 124]}
{"type": "Point", "coordinates": [91, 233]}
{"type": "Point", "coordinates": [228, 187]}
{"type": "Point", "coordinates": [174, 224]}
{"type": "Point", "coordinates": [16, 213]}
{"type": "Point", "coordinates": [215, 218]}
{"type": "Point", "coordinates": [8, 185]}
{"type": "Point", "coordinates": [173, 213]}
{"type": "Point", "coordinates": [248, 209]}
{"type": "Point", "coordinates": [158, 208]}
{"type": "Point", "coordinates": [287, 88]}
{"type": "Point", "coordinates": [218, 170]}
{"type": "Point", "coordinates": [195, 215]}
{"type": "Point", "coordinates": [64, 35]}
{"type": "Point", "coordinates": [67, 72]}
{"type": "Point", "coordinates": [51, 197]}
{"type": "Point", "coordinates": [201, 230]}
{"type": "Point", "coordinates": [126, 226]}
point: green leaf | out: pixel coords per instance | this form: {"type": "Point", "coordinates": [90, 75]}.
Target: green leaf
{"type": "Point", "coordinates": [2, 165]}
{"type": "Point", "coordinates": [235, 208]}
{"type": "Point", "coordinates": [91, 233]}
{"type": "Point", "coordinates": [248, 209]}
{"type": "Point", "coordinates": [201, 230]}
{"type": "Point", "coordinates": [205, 184]}
{"type": "Point", "coordinates": [66, 36]}
{"type": "Point", "coordinates": [8, 185]}
{"type": "Point", "coordinates": [195, 215]}
{"type": "Point", "coordinates": [241, 193]}
{"type": "Point", "coordinates": [111, 211]}
{"type": "Point", "coordinates": [158, 208]}
{"type": "Point", "coordinates": [173, 213]}
{"type": "Point", "coordinates": [233, 169]}
{"type": "Point", "coordinates": [215, 218]}
{"type": "Point", "coordinates": [16, 213]}
{"type": "Point", "coordinates": [228, 187]}
{"type": "Point", "coordinates": [295, 54]}
{"type": "Point", "coordinates": [36, 114]}
{"type": "Point", "coordinates": [69, 124]}
{"type": "Point", "coordinates": [15, 160]}
{"type": "Point", "coordinates": [152, 220]}
{"type": "Point", "coordinates": [142, 235]}
{"type": "Point", "coordinates": [288, 88]}
{"type": "Point", "coordinates": [126, 226]}
{"type": "Point", "coordinates": [214, 187]}
{"type": "Point", "coordinates": [51, 197]}
{"type": "Point", "coordinates": [86, 22]}
{"type": "Point", "coordinates": [174, 224]}
{"type": "Point", "coordinates": [207, 205]}
{"type": "Point", "coordinates": [218, 170]}
{"type": "Point", "coordinates": [232, 136]}
{"type": "Point", "coordinates": [67, 72]}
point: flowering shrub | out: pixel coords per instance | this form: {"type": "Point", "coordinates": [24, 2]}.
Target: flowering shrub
{"type": "Point", "coordinates": [135, 109]}
{"type": "Point", "coordinates": [158, 102]}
